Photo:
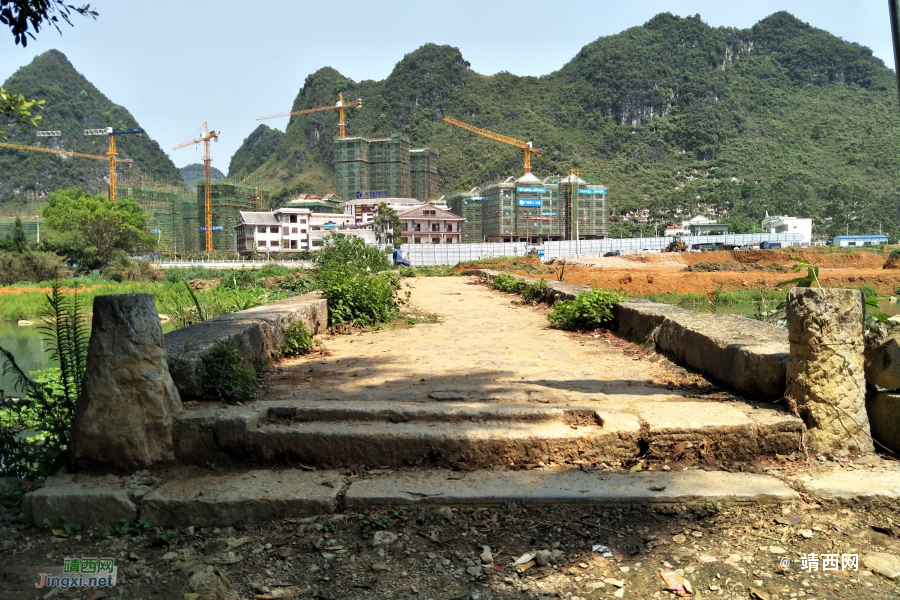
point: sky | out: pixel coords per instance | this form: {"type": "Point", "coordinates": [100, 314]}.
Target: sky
{"type": "Point", "coordinates": [175, 63]}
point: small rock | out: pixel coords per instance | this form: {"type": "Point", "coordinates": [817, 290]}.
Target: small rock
{"type": "Point", "coordinates": [734, 558]}
{"type": "Point", "coordinates": [679, 538]}
{"type": "Point", "coordinates": [619, 583]}
{"type": "Point", "coordinates": [169, 556]}
{"type": "Point", "coordinates": [380, 566]}
{"type": "Point", "coordinates": [806, 533]}
{"type": "Point", "coordinates": [687, 587]}
{"type": "Point", "coordinates": [132, 556]}
{"type": "Point", "coordinates": [259, 588]}
{"type": "Point", "coordinates": [486, 556]}
{"type": "Point", "coordinates": [697, 534]}
{"type": "Point", "coordinates": [446, 511]}
{"type": "Point", "coordinates": [188, 531]}
{"type": "Point", "coordinates": [666, 468]}
{"type": "Point", "coordinates": [555, 555]}
{"type": "Point", "coordinates": [886, 565]}
{"type": "Point", "coordinates": [776, 550]}
{"type": "Point", "coordinates": [383, 538]}
{"type": "Point", "coordinates": [542, 557]}
{"type": "Point", "coordinates": [595, 585]}
{"type": "Point", "coordinates": [624, 569]}
{"type": "Point", "coordinates": [474, 571]}
{"type": "Point", "coordinates": [619, 593]}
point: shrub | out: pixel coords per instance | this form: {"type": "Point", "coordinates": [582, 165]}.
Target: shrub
{"type": "Point", "coordinates": [588, 310]}
{"type": "Point", "coordinates": [224, 375]}
{"type": "Point", "coordinates": [507, 283]}
{"type": "Point", "coordinates": [32, 266]}
{"type": "Point", "coordinates": [895, 253]}
{"type": "Point", "coordinates": [535, 291]}
{"type": "Point", "coordinates": [356, 296]}
{"type": "Point", "coordinates": [353, 252]}
{"type": "Point", "coordinates": [297, 340]}
{"type": "Point", "coordinates": [125, 269]}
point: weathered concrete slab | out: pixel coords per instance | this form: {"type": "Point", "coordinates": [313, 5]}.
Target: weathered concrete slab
{"type": "Point", "coordinates": [565, 487]}
{"type": "Point", "coordinates": [233, 499]}
{"type": "Point", "coordinates": [83, 500]}
{"type": "Point", "coordinates": [256, 333]}
{"type": "Point", "coordinates": [858, 486]}
{"type": "Point", "coordinates": [883, 409]}
{"type": "Point", "coordinates": [748, 356]}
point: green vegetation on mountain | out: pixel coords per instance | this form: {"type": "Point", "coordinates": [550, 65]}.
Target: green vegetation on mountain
{"type": "Point", "coordinates": [675, 116]}
{"type": "Point", "coordinates": [72, 104]}
{"type": "Point", "coordinates": [194, 172]}
{"type": "Point", "coordinates": [255, 150]}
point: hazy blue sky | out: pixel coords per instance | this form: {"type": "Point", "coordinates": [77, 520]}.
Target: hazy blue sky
{"type": "Point", "coordinates": [177, 63]}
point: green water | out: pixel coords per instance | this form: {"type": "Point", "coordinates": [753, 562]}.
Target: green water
{"type": "Point", "coordinates": [26, 344]}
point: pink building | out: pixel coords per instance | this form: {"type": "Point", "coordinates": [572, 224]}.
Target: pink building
{"type": "Point", "coordinates": [428, 224]}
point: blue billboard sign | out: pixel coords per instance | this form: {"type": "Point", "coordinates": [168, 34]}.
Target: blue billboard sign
{"type": "Point", "coordinates": [600, 192]}
{"type": "Point", "coordinates": [532, 190]}
{"type": "Point", "coordinates": [214, 228]}
{"type": "Point", "coordinates": [527, 202]}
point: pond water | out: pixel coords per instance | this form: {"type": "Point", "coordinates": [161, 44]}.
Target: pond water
{"type": "Point", "coordinates": [29, 349]}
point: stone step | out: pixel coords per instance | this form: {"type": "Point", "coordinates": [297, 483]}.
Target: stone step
{"type": "Point", "coordinates": [479, 434]}
{"type": "Point", "coordinates": [188, 497]}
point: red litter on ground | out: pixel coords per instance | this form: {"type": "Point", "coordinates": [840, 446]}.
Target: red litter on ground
{"type": "Point", "coordinates": [675, 583]}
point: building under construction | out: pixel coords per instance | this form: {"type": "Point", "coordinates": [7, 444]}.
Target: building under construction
{"type": "Point", "coordinates": [164, 207]}
{"type": "Point", "coordinates": [468, 205]}
{"type": "Point", "coordinates": [227, 199]}
{"type": "Point", "coordinates": [384, 168]}
{"type": "Point", "coordinates": [423, 174]}
{"type": "Point", "coordinates": [531, 210]}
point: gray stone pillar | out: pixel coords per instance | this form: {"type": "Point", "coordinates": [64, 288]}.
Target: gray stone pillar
{"type": "Point", "coordinates": [825, 368]}
{"type": "Point", "coordinates": [123, 421]}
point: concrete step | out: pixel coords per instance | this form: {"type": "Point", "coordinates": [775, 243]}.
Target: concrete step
{"type": "Point", "coordinates": [478, 434]}
{"type": "Point", "coordinates": [189, 497]}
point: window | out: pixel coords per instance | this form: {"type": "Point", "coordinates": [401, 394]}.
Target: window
{"type": "Point", "coordinates": [286, 231]}
{"type": "Point", "coordinates": [449, 226]}
{"type": "Point", "coordinates": [261, 229]}
{"type": "Point", "coordinates": [273, 243]}
{"type": "Point", "coordinates": [293, 230]}
{"type": "Point", "coordinates": [428, 213]}
{"type": "Point", "coordinates": [303, 230]}
{"type": "Point", "coordinates": [303, 221]}
{"type": "Point", "coordinates": [293, 218]}
{"type": "Point", "coordinates": [435, 226]}
{"type": "Point", "coordinates": [261, 243]}
{"type": "Point", "coordinates": [273, 230]}
{"type": "Point", "coordinates": [435, 240]}
{"type": "Point", "coordinates": [293, 244]}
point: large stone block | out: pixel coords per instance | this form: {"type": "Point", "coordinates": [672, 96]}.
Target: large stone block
{"type": "Point", "coordinates": [883, 409]}
{"type": "Point", "coordinates": [256, 333]}
{"type": "Point", "coordinates": [882, 354]}
{"type": "Point", "coordinates": [825, 373]}
{"type": "Point", "coordinates": [123, 420]}
{"type": "Point", "coordinates": [83, 500]}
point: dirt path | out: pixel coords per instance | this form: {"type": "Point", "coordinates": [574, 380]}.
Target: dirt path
{"type": "Point", "coordinates": [487, 344]}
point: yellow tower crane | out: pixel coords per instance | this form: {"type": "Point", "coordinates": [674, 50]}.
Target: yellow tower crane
{"type": "Point", "coordinates": [526, 146]}
{"type": "Point", "coordinates": [111, 158]}
{"type": "Point", "coordinates": [207, 206]}
{"type": "Point", "coordinates": [339, 106]}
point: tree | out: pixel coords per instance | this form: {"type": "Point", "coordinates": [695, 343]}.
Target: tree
{"type": "Point", "coordinates": [22, 15]}
{"type": "Point", "coordinates": [106, 228]}
{"type": "Point", "coordinates": [19, 241]}
{"type": "Point", "coordinates": [19, 109]}
{"type": "Point", "coordinates": [387, 225]}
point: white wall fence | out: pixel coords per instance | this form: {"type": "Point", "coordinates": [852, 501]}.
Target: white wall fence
{"type": "Point", "coordinates": [587, 247]}
{"type": "Point", "coordinates": [230, 264]}
{"type": "Point", "coordinates": [424, 255]}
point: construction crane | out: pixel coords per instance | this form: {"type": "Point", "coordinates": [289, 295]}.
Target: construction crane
{"type": "Point", "coordinates": [207, 207]}
{"type": "Point", "coordinates": [111, 152]}
{"type": "Point", "coordinates": [113, 161]}
{"type": "Point", "coordinates": [339, 106]}
{"type": "Point", "coordinates": [526, 146]}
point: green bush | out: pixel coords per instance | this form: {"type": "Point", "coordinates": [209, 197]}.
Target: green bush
{"type": "Point", "coordinates": [124, 269]}
{"type": "Point", "coordinates": [32, 266]}
{"type": "Point", "coordinates": [297, 340]}
{"type": "Point", "coordinates": [357, 296]}
{"type": "Point", "coordinates": [588, 310]}
{"type": "Point", "coordinates": [507, 283]}
{"type": "Point", "coordinates": [224, 375]}
{"type": "Point", "coordinates": [535, 291]}
{"type": "Point", "coordinates": [353, 252]}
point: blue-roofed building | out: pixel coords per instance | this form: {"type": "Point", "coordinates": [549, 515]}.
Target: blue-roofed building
{"type": "Point", "coordinates": [851, 241]}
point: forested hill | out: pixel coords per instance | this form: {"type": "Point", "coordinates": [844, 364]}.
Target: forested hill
{"type": "Point", "coordinates": [72, 105]}
{"type": "Point", "coordinates": [780, 117]}
{"type": "Point", "coordinates": [194, 172]}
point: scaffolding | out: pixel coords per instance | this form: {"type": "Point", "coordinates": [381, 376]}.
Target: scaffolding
{"type": "Point", "coordinates": [227, 199]}
{"type": "Point", "coordinates": [470, 206]}
{"type": "Point", "coordinates": [367, 168]}
{"type": "Point", "coordinates": [592, 208]}
{"type": "Point", "coordinates": [315, 206]}
{"type": "Point", "coordinates": [29, 224]}
{"type": "Point", "coordinates": [423, 174]}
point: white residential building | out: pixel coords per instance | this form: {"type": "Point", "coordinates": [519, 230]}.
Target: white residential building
{"type": "Point", "coordinates": [283, 230]}
{"type": "Point", "coordinates": [364, 210]}
{"type": "Point", "coordinates": [785, 224]}
{"type": "Point", "coordinates": [685, 229]}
